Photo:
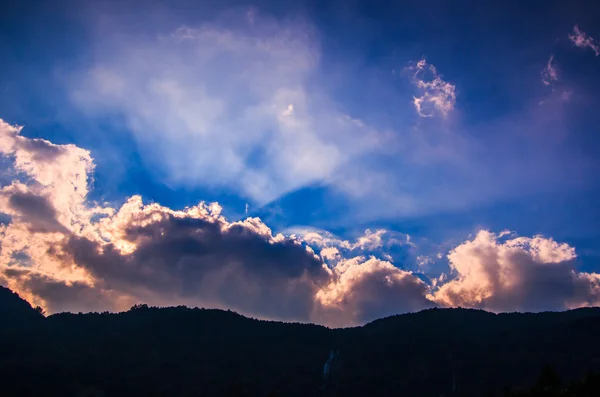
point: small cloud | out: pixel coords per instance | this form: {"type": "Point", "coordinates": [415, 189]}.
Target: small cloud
{"type": "Point", "coordinates": [247, 206]}
{"type": "Point", "coordinates": [184, 33]}
{"type": "Point", "coordinates": [369, 242]}
{"type": "Point", "coordinates": [582, 40]}
{"type": "Point", "coordinates": [288, 111]}
{"type": "Point", "coordinates": [504, 233]}
{"type": "Point", "coordinates": [330, 253]}
{"type": "Point", "coordinates": [423, 260]}
{"type": "Point", "coordinates": [549, 73]}
{"type": "Point", "coordinates": [437, 94]}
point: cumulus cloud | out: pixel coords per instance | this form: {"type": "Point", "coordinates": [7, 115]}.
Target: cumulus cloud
{"type": "Point", "coordinates": [196, 256]}
{"type": "Point", "coordinates": [525, 274]}
{"type": "Point", "coordinates": [79, 261]}
{"type": "Point", "coordinates": [363, 289]}
{"type": "Point", "coordinates": [582, 40]}
{"type": "Point", "coordinates": [549, 73]}
{"type": "Point", "coordinates": [437, 95]}
{"type": "Point", "coordinates": [63, 252]}
{"type": "Point", "coordinates": [225, 104]}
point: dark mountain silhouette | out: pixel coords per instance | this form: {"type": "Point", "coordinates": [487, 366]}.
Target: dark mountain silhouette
{"type": "Point", "coordinates": [16, 312]}
{"type": "Point", "coordinates": [199, 352]}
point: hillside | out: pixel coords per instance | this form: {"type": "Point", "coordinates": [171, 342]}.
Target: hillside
{"type": "Point", "coordinates": [15, 311]}
{"type": "Point", "coordinates": [198, 352]}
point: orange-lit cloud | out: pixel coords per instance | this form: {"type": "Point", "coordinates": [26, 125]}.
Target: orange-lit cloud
{"type": "Point", "coordinates": [63, 252]}
{"type": "Point", "coordinates": [524, 274]}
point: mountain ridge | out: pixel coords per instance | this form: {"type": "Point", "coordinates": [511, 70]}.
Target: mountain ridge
{"type": "Point", "coordinates": [179, 351]}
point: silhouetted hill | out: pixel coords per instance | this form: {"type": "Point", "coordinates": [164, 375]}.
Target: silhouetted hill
{"type": "Point", "coordinates": [197, 352]}
{"type": "Point", "coordinates": [14, 310]}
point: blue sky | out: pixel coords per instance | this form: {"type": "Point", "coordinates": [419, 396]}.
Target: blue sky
{"type": "Point", "coordinates": [431, 120]}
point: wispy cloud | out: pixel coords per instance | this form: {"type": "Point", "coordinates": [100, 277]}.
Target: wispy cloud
{"type": "Point", "coordinates": [437, 95]}
{"type": "Point", "coordinates": [582, 40]}
{"type": "Point", "coordinates": [549, 73]}
{"type": "Point", "coordinates": [226, 105]}
{"type": "Point", "coordinates": [381, 242]}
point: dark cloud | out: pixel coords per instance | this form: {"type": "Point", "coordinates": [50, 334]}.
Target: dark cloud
{"type": "Point", "coordinates": [377, 296]}
{"type": "Point", "coordinates": [210, 263]}
{"type": "Point", "coordinates": [41, 150]}
{"type": "Point", "coordinates": [62, 296]}
{"type": "Point", "coordinates": [36, 211]}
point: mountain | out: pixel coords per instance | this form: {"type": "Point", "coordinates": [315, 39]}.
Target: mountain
{"type": "Point", "coordinates": [198, 352]}
{"type": "Point", "coordinates": [15, 311]}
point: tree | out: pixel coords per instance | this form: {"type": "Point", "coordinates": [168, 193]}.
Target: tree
{"type": "Point", "coordinates": [139, 306]}
{"type": "Point", "coordinates": [40, 310]}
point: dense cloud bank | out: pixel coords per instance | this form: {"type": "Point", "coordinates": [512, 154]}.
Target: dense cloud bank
{"type": "Point", "coordinates": [66, 253]}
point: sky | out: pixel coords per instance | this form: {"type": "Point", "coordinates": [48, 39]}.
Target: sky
{"type": "Point", "coordinates": [329, 162]}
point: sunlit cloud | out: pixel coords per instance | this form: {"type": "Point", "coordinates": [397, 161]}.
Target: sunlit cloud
{"type": "Point", "coordinates": [63, 252]}
{"type": "Point", "coordinates": [525, 274]}
{"type": "Point", "coordinates": [151, 253]}
{"type": "Point", "coordinates": [366, 289]}
{"type": "Point", "coordinates": [380, 241]}
{"type": "Point", "coordinates": [437, 95]}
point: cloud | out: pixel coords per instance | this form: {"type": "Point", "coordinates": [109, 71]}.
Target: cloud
{"type": "Point", "coordinates": [381, 242]}
{"type": "Point", "coordinates": [151, 253]}
{"type": "Point", "coordinates": [33, 210]}
{"type": "Point", "coordinates": [63, 252]}
{"type": "Point", "coordinates": [437, 95]}
{"type": "Point", "coordinates": [424, 260]}
{"type": "Point", "coordinates": [549, 73]}
{"type": "Point", "coordinates": [64, 296]}
{"type": "Point", "coordinates": [582, 40]}
{"type": "Point", "coordinates": [363, 290]}
{"type": "Point", "coordinates": [196, 256]}
{"type": "Point", "coordinates": [370, 240]}
{"type": "Point", "coordinates": [247, 107]}
{"type": "Point", "coordinates": [523, 274]}
{"type": "Point", "coordinates": [227, 104]}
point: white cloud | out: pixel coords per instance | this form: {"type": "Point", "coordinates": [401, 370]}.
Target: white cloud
{"type": "Point", "coordinates": [57, 253]}
{"type": "Point", "coordinates": [526, 274]}
{"type": "Point", "coordinates": [582, 40]}
{"type": "Point", "coordinates": [424, 260]}
{"type": "Point", "coordinates": [379, 240]}
{"type": "Point", "coordinates": [227, 105]}
{"type": "Point", "coordinates": [437, 95]}
{"type": "Point", "coordinates": [549, 73]}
